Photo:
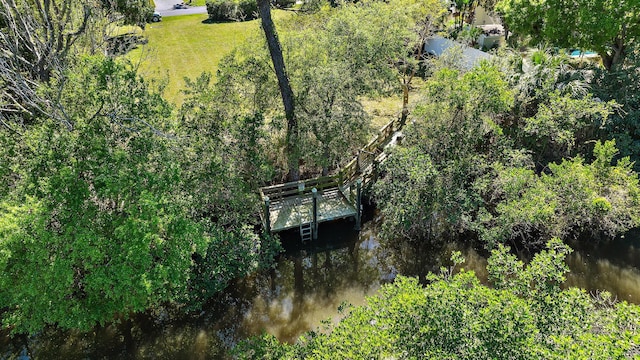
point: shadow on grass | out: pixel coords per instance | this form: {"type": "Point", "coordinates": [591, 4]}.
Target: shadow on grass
{"type": "Point", "coordinates": [212, 21]}
{"type": "Point", "coordinates": [122, 44]}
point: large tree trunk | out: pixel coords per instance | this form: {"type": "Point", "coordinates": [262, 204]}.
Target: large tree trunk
{"type": "Point", "coordinates": [405, 104]}
{"type": "Point", "coordinates": [325, 167]}
{"type": "Point", "coordinates": [264, 8]}
{"type": "Point", "coordinates": [616, 57]}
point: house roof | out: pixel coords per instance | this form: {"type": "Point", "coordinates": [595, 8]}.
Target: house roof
{"type": "Point", "coordinates": [438, 45]}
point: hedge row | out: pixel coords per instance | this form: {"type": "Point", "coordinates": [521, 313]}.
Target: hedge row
{"type": "Point", "coordinates": [238, 10]}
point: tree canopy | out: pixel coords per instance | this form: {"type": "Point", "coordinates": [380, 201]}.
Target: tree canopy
{"type": "Point", "coordinates": [607, 27]}
{"type": "Point", "coordinates": [489, 151]}
{"type": "Point", "coordinates": [114, 216]}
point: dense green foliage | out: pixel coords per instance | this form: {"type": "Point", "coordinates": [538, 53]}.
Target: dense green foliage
{"type": "Point", "coordinates": [500, 151]}
{"type": "Point", "coordinates": [83, 241]}
{"type": "Point", "coordinates": [116, 215]}
{"type": "Point", "coordinates": [525, 316]}
{"type": "Point", "coordinates": [429, 184]}
{"type": "Point", "coordinates": [574, 197]}
{"type": "Point", "coordinates": [623, 86]}
{"type": "Point", "coordinates": [574, 24]}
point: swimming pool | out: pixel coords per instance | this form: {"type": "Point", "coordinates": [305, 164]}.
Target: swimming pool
{"type": "Point", "coordinates": [580, 53]}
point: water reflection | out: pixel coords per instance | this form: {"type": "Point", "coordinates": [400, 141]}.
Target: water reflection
{"type": "Point", "coordinates": [418, 259]}
{"type": "Point", "coordinates": [612, 266]}
{"type": "Point", "coordinates": [306, 287]}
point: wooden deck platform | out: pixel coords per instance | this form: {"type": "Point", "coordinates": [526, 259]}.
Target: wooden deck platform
{"type": "Point", "coordinates": [291, 205]}
{"type": "Point", "coordinates": [291, 212]}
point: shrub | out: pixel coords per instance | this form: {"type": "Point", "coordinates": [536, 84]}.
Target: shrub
{"type": "Point", "coordinates": [234, 10]}
{"type": "Point", "coordinates": [220, 10]}
{"type": "Point", "coordinates": [283, 3]}
{"type": "Point", "coordinates": [247, 9]}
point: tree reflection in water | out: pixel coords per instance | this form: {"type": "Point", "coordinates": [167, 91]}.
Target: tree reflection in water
{"type": "Point", "coordinates": [613, 266]}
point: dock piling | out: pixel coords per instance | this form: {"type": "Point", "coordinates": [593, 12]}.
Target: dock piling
{"type": "Point", "coordinates": [267, 215]}
{"type": "Point", "coordinates": [358, 203]}
{"type": "Point", "coordinates": [314, 219]}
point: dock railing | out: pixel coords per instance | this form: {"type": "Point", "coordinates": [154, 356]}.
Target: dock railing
{"type": "Point", "coordinates": [296, 188]}
{"type": "Point", "coordinates": [367, 155]}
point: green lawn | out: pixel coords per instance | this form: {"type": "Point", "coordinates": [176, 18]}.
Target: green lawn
{"type": "Point", "coordinates": [182, 46]}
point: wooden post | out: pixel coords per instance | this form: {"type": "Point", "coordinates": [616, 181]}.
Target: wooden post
{"type": "Point", "coordinates": [358, 203]}
{"type": "Point", "coordinates": [358, 162]}
{"type": "Point", "coordinates": [374, 169]}
{"type": "Point", "coordinates": [267, 215]}
{"type": "Point", "coordinates": [314, 219]}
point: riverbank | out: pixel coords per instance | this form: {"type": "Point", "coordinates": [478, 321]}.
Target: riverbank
{"type": "Point", "coordinates": [307, 286]}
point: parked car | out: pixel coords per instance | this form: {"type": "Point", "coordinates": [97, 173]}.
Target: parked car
{"type": "Point", "coordinates": [181, 6]}
{"type": "Point", "coordinates": [156, 17]}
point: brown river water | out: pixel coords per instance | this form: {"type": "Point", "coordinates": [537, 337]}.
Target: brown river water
{"type": "Point", "coordinates": [309, 283]}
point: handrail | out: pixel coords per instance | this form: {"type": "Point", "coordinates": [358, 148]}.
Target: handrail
{"type": "Point", "coordinates": [321, 181]}
{"type": "Point", "coordinates": [346, 175]}
{"type": "Point", "coordinates": [298, 187]}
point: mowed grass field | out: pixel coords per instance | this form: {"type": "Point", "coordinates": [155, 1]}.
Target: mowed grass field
{"type": "Point", "coordinates": [185, 46]}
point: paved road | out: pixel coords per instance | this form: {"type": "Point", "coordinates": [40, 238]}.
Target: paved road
{"type": "Point", "coordinates": [165, 8]}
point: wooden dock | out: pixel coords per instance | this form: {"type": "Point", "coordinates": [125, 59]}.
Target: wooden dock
{"type": "Point", "coordinates": [306, 203]}
{"type": "Point", "coordinates": [295, 209]}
